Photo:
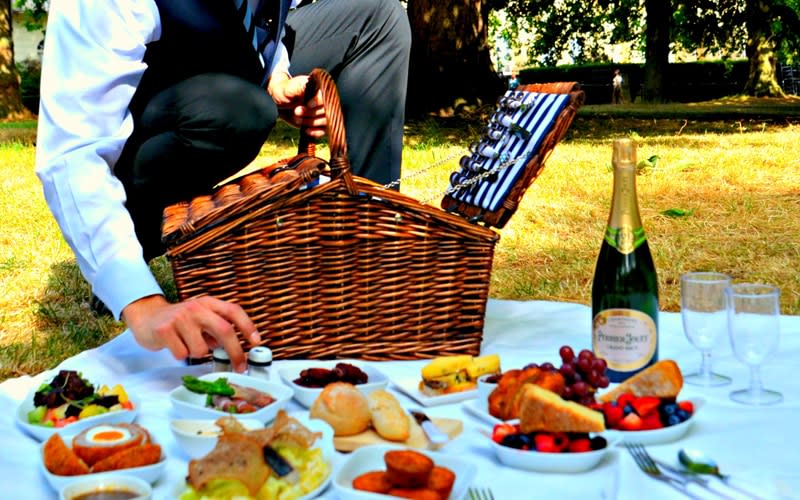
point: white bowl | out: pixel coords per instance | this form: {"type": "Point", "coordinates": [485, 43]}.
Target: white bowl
{"type": "Point", "coordinates": [198, 437]}
{"type": "Point", "coordinates": [325, 443]}
{"type": "Point", "coordinates": [485, 388]}
{"type": "Point", "coordinates": [370, 458]}
{"type": "Point", "coordinates": [42, 433]}
{"type": "Point", "coordinates": [191, 405]}
{"type": "Point", "coordinates": [91, 484]}
{"type": "Point", "coordinates": [532, 460]}
{"type": "Point", "coordinates": [147, 473]}
{"type": "Point", "coordinates": [663, 435]}
{"type": "Point", "coordinates": [306, 395]}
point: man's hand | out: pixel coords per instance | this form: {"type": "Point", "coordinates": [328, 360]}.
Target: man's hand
{"type": "Point", "coordinates": [190, 328]}
{"type": "Point", "coordinates": [288, 93]}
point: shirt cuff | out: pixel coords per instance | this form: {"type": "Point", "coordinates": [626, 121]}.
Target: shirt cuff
{"type": "Point", "coordinates": [123, 281]}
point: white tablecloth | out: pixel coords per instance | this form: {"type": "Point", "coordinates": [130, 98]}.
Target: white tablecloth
{"type": "Point", "coordinates": [758, 446]}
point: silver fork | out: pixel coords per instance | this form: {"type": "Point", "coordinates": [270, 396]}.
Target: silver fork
{"type": "Point", "coordinates": [480, 494]}
{"type": "Point", "coordinates": [649, 467]}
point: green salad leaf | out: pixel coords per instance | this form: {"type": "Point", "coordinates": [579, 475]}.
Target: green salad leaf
{"type": "Point", "coordinates": [217, 387]}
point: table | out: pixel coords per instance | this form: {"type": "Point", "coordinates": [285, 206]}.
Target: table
{"type": "Point", "coordinates": [760, 447]}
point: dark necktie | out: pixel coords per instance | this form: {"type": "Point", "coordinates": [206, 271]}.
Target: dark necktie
{"type": "Point", "coordinates": [243, 8]}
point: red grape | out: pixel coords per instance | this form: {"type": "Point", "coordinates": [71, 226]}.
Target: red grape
{"type": "Point", "coordinates": [566, 353]}
{"type": "Point", "coordinates": [580, 388]}
{"type": "Point", "coordinates": [568, 371]}
{"type": "Point", "coordinates": [548, 367]}
{"type": "Point", "coordinates": [586, 354]}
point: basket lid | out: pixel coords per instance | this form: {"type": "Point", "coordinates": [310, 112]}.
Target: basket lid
{"type": "Point", "coordinates": [511, 152]}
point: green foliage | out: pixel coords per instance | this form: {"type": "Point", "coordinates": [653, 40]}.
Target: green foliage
{"type": "Point", "coordinates": [35, 13]}
{"type": "Point", "coordinates": [30, 73]}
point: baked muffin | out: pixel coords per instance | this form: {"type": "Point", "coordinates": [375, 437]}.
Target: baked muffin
{"type": "Point", "coordinates": [407, 468]}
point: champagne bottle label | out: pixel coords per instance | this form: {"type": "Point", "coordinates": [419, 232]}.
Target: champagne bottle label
{"type": "Point", "coordinates": [625, 239]}
{"type": "Point", "coordinates": [625, 338]}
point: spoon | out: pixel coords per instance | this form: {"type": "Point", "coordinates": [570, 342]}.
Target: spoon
{"type": "Point", "coordinates": [698, 462]}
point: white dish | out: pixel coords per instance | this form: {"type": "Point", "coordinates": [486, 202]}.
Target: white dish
{"type": "Point", "coordinates": [325, 444]}
{"type": "Point", "coordinates": [42, 433]}
{"type": "Point", "coordinates": [370, 458]}
{"type": "Point", "coordinates": [552, 462]}
{"type": "Point", "coordinates": [198, 437]}
{"type": "Point", "coordinates": [90, 484]}
{"type": "Point", "coordinates": [663, 435]}
{"type": "Point", "coordinates": [148, 473]}
{"type": "Point", "coordinates": [306, 395]}
{"type": "Point", "coordinates": [410, 386]}
{"type": "Point", "coordinates": [190, 405]}
{"type": "Point", "coordinates": [480, 408]}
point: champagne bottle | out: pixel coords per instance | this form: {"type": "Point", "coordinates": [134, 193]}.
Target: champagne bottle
{"type": "Point", "coordinates": [625, 288]}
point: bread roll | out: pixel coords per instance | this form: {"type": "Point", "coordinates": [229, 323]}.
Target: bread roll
{"type": "Point", "coordinates": [344, 407]}
{"type": "Point", "coordinates": [388, 417]}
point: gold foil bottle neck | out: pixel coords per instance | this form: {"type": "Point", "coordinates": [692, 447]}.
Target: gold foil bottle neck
{"type": "Point", "coordinates": [624, 152]}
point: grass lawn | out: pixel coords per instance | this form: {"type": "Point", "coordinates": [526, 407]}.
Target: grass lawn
{"type": "Point", "coordinates": [732, 167]}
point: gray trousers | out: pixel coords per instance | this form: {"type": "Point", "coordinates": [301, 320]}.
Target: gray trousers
{"type": "Point", "coordinates": [203, 129]}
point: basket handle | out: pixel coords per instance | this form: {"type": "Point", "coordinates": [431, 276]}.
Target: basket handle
{"type": "Point", "coordinates": [319, 79]}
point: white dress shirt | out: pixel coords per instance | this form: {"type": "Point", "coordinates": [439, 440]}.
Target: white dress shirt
{"type": "Point", "coordinates": [93, 62]}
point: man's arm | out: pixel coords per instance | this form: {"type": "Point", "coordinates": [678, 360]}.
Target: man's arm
{"type": "Point", "coordinates": [93, 62]}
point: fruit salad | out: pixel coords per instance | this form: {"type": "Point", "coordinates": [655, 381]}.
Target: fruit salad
{"type": "Point", "coordinates": [69, 398]}
{"type": "Point", "coordinates": [509, 435]}
{"type": "Point", "coordinates": [644, 413]}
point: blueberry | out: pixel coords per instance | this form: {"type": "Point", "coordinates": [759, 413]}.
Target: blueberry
{"type": "Point", "coordinates": [669, 409]}
{"type": "Point", "coordinates": [682, 414]}
{"type": "Point", "coordinates": [517, 441]}
{"type": "Point", "coordinates": [673, 420]}
{"type": "Point", "coordinates": [627, 410]}
{"type": "Point", "coordinates": [598, 443]}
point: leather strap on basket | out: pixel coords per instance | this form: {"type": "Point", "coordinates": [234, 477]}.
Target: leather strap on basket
{"type": "Point", "coordinates": [321, 80]}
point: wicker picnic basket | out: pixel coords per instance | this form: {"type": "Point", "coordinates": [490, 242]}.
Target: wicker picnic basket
{"type": "Point", "coordinates": [341, 269]}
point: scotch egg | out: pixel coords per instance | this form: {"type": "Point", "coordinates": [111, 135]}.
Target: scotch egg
{"type": "Point", "coordinates": [101, 441]}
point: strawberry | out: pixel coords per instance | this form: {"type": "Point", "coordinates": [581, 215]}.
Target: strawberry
{"type": "Point", "coordinates": [625, 398]}
{"type": "Point", "coordinates": [631, 422]}
{"type": "Point", "coordinates": [502, 430]}
{"type": "Point", "coordinates": [580, 445]}
{"type": "Point", "coordinates": [646, 405]}
{"type": "Point", "coordinates": [560, 440]}
{"type": "Point", "coordinates": [546, 443]}
{"type": "Point", "coordinates": [652, 421]}
{"type": "Point", "coordinates": [613, 415]}
{"type": "Point", "coordinates": [686, 406]}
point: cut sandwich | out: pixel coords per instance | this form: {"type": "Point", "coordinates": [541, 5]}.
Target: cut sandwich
{"type": "Point", "coordinates": [449, 374]}
{"type": "Point", "coordinates": [542, 410]}
{"type": "Point", "coordinates": [662, 380]}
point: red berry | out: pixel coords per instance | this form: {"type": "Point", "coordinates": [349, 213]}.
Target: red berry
{"type": "Point", "coordinates": [652, 421]}
{"type": "Point", "coordinates": [686, 406]}
{"type": "Point", "coordinates": [613, 415]}
{"type": "Point", "coordinates": [502, 430]}
{"type": "Point", "coordinates": [545, 443]}
{"type": "Point", "coordinates": [646, 405]}
{"type": "Point", "coordinates": [632, 422]}
{"type": "Point", "coordinates": [625, 399]}
{"type": "Point", "coordinates": [560, 440]}
{"type": "Point", "coordinates": [580, 445]}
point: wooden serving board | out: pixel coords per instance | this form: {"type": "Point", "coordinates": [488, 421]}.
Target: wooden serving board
{"type": "Point", "coordinates": [417, 439]}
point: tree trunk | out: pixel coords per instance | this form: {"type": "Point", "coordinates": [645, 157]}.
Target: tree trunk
{"type": "Point", "coordinates": [10, 101]}
{"type": "Point", "coordinates": [762, 80]}
{"type": "Point", "coordinates": [450, 56]}
{"type": "Point", "coordinates": [659, 13]}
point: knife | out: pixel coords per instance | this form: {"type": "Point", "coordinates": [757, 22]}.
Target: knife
{"type": "Point", "coordinates": [434, 433]}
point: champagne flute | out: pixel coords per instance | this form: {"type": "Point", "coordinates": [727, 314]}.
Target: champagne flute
{"type": "Point", "coordinates": [753, 324]}
{"type": "Point", "coordinates": [705, 317]}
